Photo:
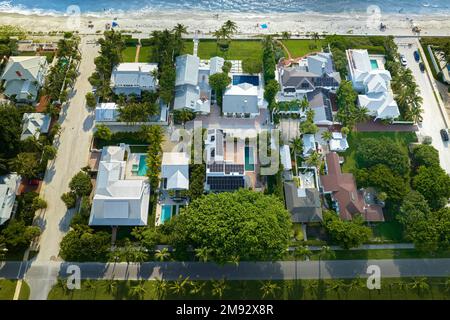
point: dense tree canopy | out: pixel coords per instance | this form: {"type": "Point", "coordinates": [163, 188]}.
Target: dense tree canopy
{"type": "Point", "coordinates": [83, 244]}
{"type": "Point", "coordinates": [425, 155]}
{"type": "Point", "coordinates": [385, 180]}
{"type": "Point", "coordinates": [10, 129]}
{"type": "Point", "coordinates": [385, 151]}
{"type": "Point", "coordinates": [17, 235]}
{"type": "Point", "coordinates": [434, 184]}
{"type": "Point", "coordinates": [244, 224]}
{"type": "Point", "coordinates": [346, 100]}
{"type": "Point", "coordinates": [81, 184]}
{"type": "Point", "coordinates": [218, 83]}
{"type": "Point", "coordinates": [348, 234]}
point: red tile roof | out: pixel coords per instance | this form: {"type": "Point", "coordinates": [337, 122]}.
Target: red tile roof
{"type": "Point", "coordinates": [343, 188]}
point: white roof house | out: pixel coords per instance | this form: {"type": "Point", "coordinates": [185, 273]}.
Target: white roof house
{"type": "Point", "coordinates": [106, 112]}
{"type": "Point", "coordinates": [8, 188]}
{"type": "Point", "coordinates": [374, 84]}
{"type": "Point", "coordinates": [241, 99]}
{"type": "Point", "coordinates": [309, 144]}
{"type": "Point", "coordinates": [175, 170]}
{"type": "Point", "coordinates": [133, 77]}
{"type": "Point", "coordinates": [338, 142]}
{"type": "Point", "coordinates": [118, 201]}
{"type": "Point", "coordinates": [23, 76]}
{"type": "Point", "coordinates": [285, 157]}
{"type": "Point", "coordinates": [192, 88]}
{"type": "Point", "coordinates": [34, 124]}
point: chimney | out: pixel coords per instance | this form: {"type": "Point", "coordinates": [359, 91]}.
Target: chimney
{"type": "Point", "coordinates": [19, 74]}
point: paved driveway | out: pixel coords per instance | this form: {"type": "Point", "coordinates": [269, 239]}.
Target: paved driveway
{"type": "Point", "coordinates": [73, 154]}
{"type": "Point", "coordinates": [433, 119]}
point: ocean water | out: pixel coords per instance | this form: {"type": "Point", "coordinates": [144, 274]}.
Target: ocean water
{"type": "Point", "coordinates": [95, 7]}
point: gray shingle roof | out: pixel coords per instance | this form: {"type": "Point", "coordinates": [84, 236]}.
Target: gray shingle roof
{"type": "Point", "coordinates": [303, 209]}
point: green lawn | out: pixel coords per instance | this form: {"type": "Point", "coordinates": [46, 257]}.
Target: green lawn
{"type": "Point", "coordinates": [145, 54]}
{"type": "Point", "coordinates": [403, 139]}
{"type": "Point", "coordinates": [389, 230]}
{"type": "Point", "coordinates": [287, 289]}
{"type": "Point", "coordinates": [8, 287]}
{"type": "Point", "coordinates": [238, 50]}
{"type": "Point", "coordinates": [378, 254]}
{"type": "Point", "coordinates": [299, 48]}
{"type": "Point", "coordinates": [129, 54]}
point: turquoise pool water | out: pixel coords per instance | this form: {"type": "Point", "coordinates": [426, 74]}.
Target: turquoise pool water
{"type": "Point", "coordinates": [374, 64]}
{"type": "Point", "coordinates": [142, 171]}
{"type": "Point", "coordinates": [166, 213]}
{"type": "Point", "coordinates": [249, 159]}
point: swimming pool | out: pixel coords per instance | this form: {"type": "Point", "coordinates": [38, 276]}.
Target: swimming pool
{"type": "Point", "coordinates": [374, 64]}
{"type": "Point", "coordinates": [142, 171]}
{"type": "Point", "coordinates": [249, 159]}
{"type": "Point", "coordinates": [166, 213]}
{"type": "Point", "coordinates": [238, 79]}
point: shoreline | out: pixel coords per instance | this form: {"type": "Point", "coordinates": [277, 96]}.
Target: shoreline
{"type": "Point", "coordinates": [248, 23]}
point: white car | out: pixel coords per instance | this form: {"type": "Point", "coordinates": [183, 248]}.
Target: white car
{"type": "Point", "coordinates": [403, 61]}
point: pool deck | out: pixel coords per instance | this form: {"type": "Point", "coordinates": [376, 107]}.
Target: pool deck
{"type": "Point", "coordinates": [165, 199]}
{"type": "Point", "coordinates": [133, 159]}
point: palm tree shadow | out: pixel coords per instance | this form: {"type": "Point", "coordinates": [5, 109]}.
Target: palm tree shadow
{"type": "Point", "coordinates": [321, 290]}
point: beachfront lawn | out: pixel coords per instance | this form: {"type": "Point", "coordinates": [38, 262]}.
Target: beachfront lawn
{"type": "Point", "coordinates": [129, 54]}
{"type": "Point", "coordinates": [252, 289]}
{"type": "Point", "coordinates": [238, 50]}
{"type": "Point", "coordinates": [8, 287]}
{"type": "Point", "coordinates": [299, 48]}
{"type": "Point", "coordinates": [145, 54]}
{"type": "Point", "coordinates": [403, 139]}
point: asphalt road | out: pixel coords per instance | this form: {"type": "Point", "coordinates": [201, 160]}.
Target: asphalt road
{"type": "Point", "coordinates": [46, 272]}
{"type": "Point", "coordinates": [433, 119]}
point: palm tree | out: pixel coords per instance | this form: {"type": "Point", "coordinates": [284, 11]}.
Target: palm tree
{"type": "Point", "coordinates": [361, 114]}
{"type": "Point", "coordinates": [356, 284]}
{"type": "Point", "coordinates": [162, 255]}
{"type": "Point", "coordinates": [286, 35]}
{"type": "Point", "coordinates": [446, 285]}
{"type": "Point", "coordinates": [203, 253]}
{"type": "Point", "coordinates": [402, 286]}
{"type": "Point", "coordinates": [314, 160]}
{"type": "Point", "coordinates": [197, 287]}
{"type": "Point", "coordinates": [421, 284]}
{"type": "Point", "coordinates": [111, 287]}
{"type": "Point", "coordinates": [235, 259]}
{"type": "Point", "coordinates": [327, 136]}
{"type": "Point", "coordinates": [219, 287]}
{"type": "Point", "coordinates": [297, 145]}
{"type": "Point", "coordinates": [268, 288]}
{"type": "Point", "coordinates": [230, 27]}
{"type": "Point", "coordinates": [179, 286]}
{"type": "Point", "coordinates": [312, 286]}
{"type": "Point", "coordinates": [180, 29]}
{"type": "Point", "coordinates": [62, 284]}
{"type": "Point", "coordinates": [315, 36]}
{"type": "Point", "coordinates": [337, 286]}
{"type": "Point", "coordinates": [161, 288]}
{"type": "Point", "coordinates": [324, 253]}
{"type": "Point", "coordinates": [302, 253]}
{"type": "Point", "coordinates": [89, 284]}
{"type": "Point", "coordinates": [138, 290]}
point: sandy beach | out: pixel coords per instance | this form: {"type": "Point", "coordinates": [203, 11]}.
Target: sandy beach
{"type": "Point", "coordinates": [248, 23]}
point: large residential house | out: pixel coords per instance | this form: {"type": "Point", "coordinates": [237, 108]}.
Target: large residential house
{"type": "Point", "coordinates": [226, 164]}
{"type": "Point", "coordinates": [133, 78]}
{"type": "Point", "coordinates": [314, 71]}
{"type": "Point", "coordinates": [348, 201]}
{"type": "Point", "coordinates": [320, 100]}
{"type": "Point", "coordinates": [192, 90]}
{"type": "Point", "coordinates": [175, 171]}
{"type": "Point", "coordinates": [34, 124]}
{"type": "Point", "coordinates": [242, 101]}
{"type": "Point", "coordinates": [24, 76]}
{"type": "Point", "coordinates": [118, 200]}
{"type": "Point", "coordinates": [9, 186]}
{"type": "Point", "coordinates": [373, 83]}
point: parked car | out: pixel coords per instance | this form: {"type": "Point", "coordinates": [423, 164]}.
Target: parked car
{"type": "Point", "coordinates": [403, 60]}
{"type": "Point", "coordinates": [417, 55]}
{"type": "Point", "coordinates": [422, 67]}
{"type": "Point", "coordinates": [444, 134]}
